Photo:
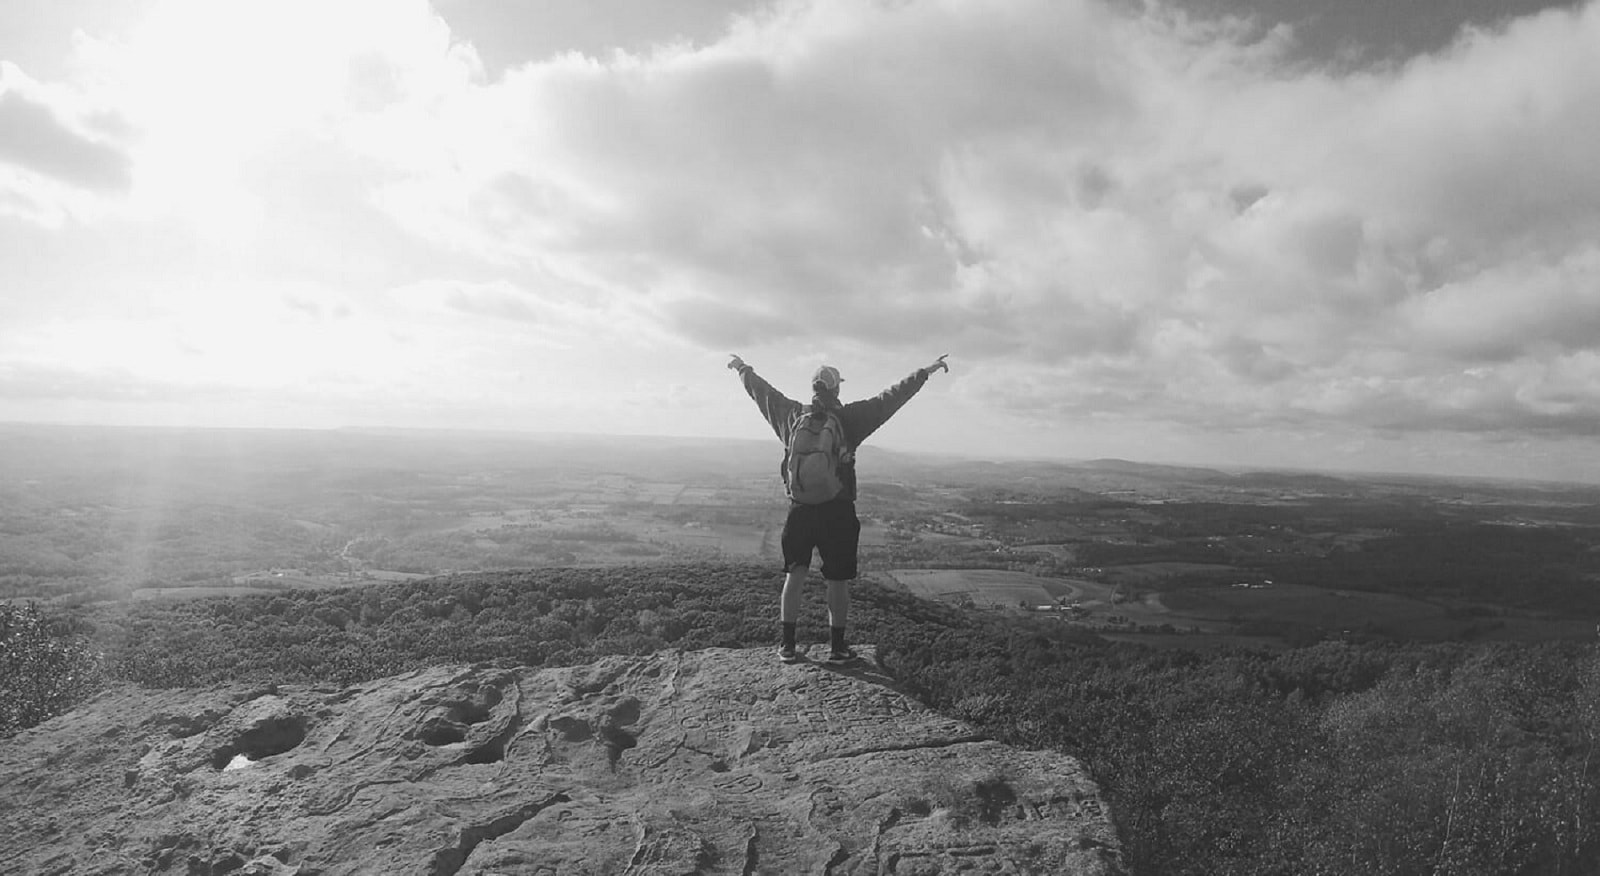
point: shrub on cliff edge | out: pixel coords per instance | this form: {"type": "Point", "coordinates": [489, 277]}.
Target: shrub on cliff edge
{"type": "Point", "coordinates": [46, 668]}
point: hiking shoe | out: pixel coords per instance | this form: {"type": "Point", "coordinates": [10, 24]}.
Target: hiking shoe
{"type": "Point", "coordinates": [841, 655]}
{"type": "Point", "coordinates": [788, 654]}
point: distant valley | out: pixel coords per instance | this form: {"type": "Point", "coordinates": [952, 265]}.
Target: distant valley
{"type": "Point", "coordinates": [1171, 555]}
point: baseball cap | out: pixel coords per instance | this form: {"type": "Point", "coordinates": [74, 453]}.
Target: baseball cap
{"type": "Point", "coordinates": [828, 376]}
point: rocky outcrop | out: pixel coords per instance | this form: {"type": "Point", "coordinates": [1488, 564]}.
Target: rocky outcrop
{"type": "Point", "coordinates": [700, 762]}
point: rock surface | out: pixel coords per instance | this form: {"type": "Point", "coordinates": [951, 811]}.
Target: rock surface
{"type": "Point", "coordinates": [714, 761]}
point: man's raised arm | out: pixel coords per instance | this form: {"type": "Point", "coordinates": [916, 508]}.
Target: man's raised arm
{"type": "Point", "coordinates": [779, 409]}
{"type": "Point", "coordinates": [865, 416]}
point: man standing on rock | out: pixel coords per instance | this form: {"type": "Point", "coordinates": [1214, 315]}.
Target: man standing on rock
{"type": "Point", "coordinates": [819, 475]}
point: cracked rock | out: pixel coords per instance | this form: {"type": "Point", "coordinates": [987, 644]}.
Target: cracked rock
{"type": "Point", "coordinates": [718, 761]}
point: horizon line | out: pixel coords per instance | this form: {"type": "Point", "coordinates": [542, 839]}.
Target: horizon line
{"type": "Point", "coordinates": [1072, 462]}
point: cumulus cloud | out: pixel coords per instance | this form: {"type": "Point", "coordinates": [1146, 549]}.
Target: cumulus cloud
{"type": "Point", "coordinates": [60, 155]}
{"type": "Point", "coordinates": [1529, 307]}
{"type": "Point", "coordinates": [34, 137]}
{"type": "Point", "coordinates": [1123, 212]}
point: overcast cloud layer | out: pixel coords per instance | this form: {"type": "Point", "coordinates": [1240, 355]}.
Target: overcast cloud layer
{"type": "Point", "coordinates": [1137, 233]}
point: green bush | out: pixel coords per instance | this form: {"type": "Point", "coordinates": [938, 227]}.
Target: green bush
{"type": "Point", "coordinates": [46, 667]}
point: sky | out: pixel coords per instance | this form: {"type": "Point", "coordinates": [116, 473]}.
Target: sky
{"type": "Point", "coordinates": [1347, 235]}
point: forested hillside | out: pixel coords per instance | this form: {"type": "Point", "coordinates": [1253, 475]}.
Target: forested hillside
{"type": "Point", "coordinates": [1334, 759]}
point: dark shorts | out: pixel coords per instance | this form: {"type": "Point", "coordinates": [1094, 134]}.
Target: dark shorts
{"type": "Point", "coordinates": [831, 529]}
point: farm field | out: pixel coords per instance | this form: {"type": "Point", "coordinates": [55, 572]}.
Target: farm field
{"type": "Point", "coordinates": [985, 587]}
{"type": "Point", "coordinates": [1153, 574]}
{"type": "Point", "coordinates": [733, 540]}
{"type": "Point", "coordinates": [148, 593]}
{"type": "Point", "coordinates": [1299, 604]}
{"type": "Point", "coordinates": [1062, 552]}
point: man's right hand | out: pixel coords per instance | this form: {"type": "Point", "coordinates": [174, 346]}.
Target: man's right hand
{"type": "Point", "coordinates": [938, 365]}
{"type": "Point", "coordinates": [735, 364]}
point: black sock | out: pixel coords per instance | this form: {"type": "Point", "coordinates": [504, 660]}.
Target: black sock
{"type": "Point", "coordinates": [836, 637]}
{"type": "Point", "coordinates": [788, 634]}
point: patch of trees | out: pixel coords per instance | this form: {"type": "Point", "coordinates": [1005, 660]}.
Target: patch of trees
{"type": "Point", "coordinates": [1522, 567]}
{"type": "Point", "coordinates": [47, 555]}
{"type": "Point", "coordinates": [544, 617]}
{"type": "Point", "coordinates": [1332, 759]}
{"type": "Point", "coordinates": [46, 666]}
{"type": "Point", "coordinates": [1014, 507]}
{"type": "Point", "coordinates": [1101, 553]}
{"type": "Point", "coordinates": [1202, 519]}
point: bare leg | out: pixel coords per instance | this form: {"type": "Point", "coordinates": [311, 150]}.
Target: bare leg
{"type": "Point", "coordinates": [789, 604]}
{"type": "Point", "coordinates": [838, 603]}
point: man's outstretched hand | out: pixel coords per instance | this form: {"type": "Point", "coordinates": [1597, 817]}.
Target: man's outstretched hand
{"type": "Point", "coordinates": [938, 365]}
{"type": "Point", "coordinates": [735, 364]}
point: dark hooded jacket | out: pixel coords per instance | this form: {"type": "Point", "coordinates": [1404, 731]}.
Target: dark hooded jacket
{"type": "Point", "coordinates": [859, 418]}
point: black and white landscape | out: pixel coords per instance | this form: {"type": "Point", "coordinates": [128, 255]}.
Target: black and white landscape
{"type": "Point", "coordinates": [1323, 669]}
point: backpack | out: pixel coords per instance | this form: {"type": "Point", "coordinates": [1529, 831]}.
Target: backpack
{"type": "Point", "coordinates": [811, 461]}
